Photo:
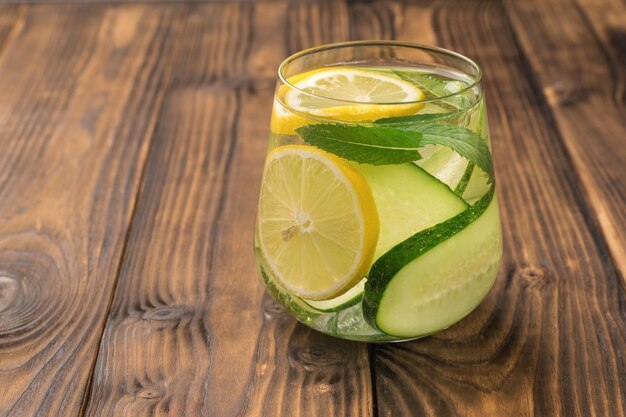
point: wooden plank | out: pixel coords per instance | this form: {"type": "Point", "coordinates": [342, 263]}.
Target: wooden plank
{"type": "Point", "coordinates": [11, 18]}
{"type": "Point", "coordinates": [549, 339]}
{"type": "Point", "coordinates": [374, 20]}
{"type": "Point", "coordinates": [80, 90]}
{"type": "Point", "coordinates": [112, 2]}
{"type": "Point", "coordinates": [312, 23]}
{"type": "Point", "coordinates": [577, 55]}
{"type": "Point", "coordinates": [192, 331]}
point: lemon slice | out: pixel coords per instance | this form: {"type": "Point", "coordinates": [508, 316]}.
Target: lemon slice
{"type": "Point", "coordinates": [316, 93]}
{"type": "Point", "coordinates": [284, 122]}
{"type": "Point", "coordinates": [317, 224]}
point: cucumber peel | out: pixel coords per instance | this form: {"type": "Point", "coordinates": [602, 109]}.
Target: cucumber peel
{"type": "Point", "coordinates": [462, 184]}
{"type": "Point", "coordinates": [418, 283]}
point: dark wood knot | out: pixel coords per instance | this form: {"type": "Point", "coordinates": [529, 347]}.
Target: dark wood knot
{"type": "Point", "coordinates": [532, 276]}
{"type": "Point", "coordinates": [8, 291]}
{"type": "Point", "coordinates": [166, 313]}
{"type": "Point", "coordinates": [150, 393]}
{"type": "Point", "coordinates": [324, 387]}
{"type": "Point", "coordinates": [35, 290]}
{"type": "Point", "coordinates": [531, 273]}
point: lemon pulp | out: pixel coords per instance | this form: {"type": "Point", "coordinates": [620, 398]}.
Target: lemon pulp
{"type": "Point", "coordinates": [343, 93]}
{"type": "Point", "coordinates": [317, 226]}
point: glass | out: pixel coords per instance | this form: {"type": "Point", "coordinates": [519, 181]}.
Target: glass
{"type": "Point", "coordinates": [378, 219]}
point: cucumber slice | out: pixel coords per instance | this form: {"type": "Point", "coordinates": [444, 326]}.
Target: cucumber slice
{"type": "Point", "coordinates": [353, 296]}
{"type": "Point", "coordinates": [462, 185]}
{"type": "Point", "coordinates": [436, 277]}
{"type": "Point", "coordinates": [455, 171]}
{"type": "Point", "coordinates": [478, 183]}
{"type": "Point", "coordinates": [426, 151]}
{"type": "Point", "coordinates": [447, 166]}
{"type": "Point", "coordinates": [477, 186]}
{"type": "Point", "coordinates": [408, 200]}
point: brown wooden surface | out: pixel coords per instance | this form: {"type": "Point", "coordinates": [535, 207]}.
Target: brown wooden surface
{"type": "Point", "coordinates": [81, 88]}
{"type": "Point", "coordinates": [132, 139]}
{"type": "Point", "coordinates": [548, 340]}
{"type": "Point", "coordinates": [586, 91]}
{"type": "Point", "coordinates": [199, 333]}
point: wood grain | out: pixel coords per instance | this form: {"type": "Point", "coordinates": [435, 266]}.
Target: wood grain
{"type": "Point", "coordinates": [192, 331]}
{"type": "Point", "coordinates": [311, 23]}
{"type": "Point", "coordinates": [122, 2]}
{"type": "Point", "coordinates": [550, 338]}
{"type": "Point", "coordinates": [80, 87]}
{"type": "Point", "coordinates": [87, 193]}
{"type": "Point", "coordinates": [11, 18]}
{"type": "Point", "coordinates": [579, 67]}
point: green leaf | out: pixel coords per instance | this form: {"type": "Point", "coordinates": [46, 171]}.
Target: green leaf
{"type": "Point", "coordinates": [386, 145]}
{"type": "Point", "coordinates": [414, 118]}
{"type": "Point", "coordinates": [461, 140]}
{"type": "Point", "coordinates": [376, 145]}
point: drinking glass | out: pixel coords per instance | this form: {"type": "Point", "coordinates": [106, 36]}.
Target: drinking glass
{"type": "Point", "coordinates": [378, 218]}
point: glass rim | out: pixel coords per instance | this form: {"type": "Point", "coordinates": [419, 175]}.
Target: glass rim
{"type": "Point", "coordinates": [393, 43]}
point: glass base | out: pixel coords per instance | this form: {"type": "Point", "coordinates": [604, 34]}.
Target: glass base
{"type": "Point", "coordinates": [346, 324]}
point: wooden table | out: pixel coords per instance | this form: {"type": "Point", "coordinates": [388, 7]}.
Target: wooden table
{"type": "Point", "coordinates": [132, 138]}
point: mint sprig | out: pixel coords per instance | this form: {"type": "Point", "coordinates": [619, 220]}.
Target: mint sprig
{"type": "Point", "coordinates": [390, 144]}
{"type": "Point", "coordinates": [461, 140]}
{"type": "Point", "coordinates": [366, 145]}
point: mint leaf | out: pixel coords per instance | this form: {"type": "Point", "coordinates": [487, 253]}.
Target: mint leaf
{"type": "Point", "coordinates": [376, 145]}
{"type": "Point", "coordinates": [414, 118]}
{"type": "Point", "coordinates": [461, 140]}
{"type": "Point", "coordinates": [387, 145]}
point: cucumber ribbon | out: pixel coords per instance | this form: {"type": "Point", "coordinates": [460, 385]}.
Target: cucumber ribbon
{"type": "Point", "coordinates": [388, 265]}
